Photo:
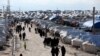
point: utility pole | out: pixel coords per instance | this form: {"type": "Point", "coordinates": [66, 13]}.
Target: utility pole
{"type": "Point", "coordinates": [3, 12]}
{"type": "Point", "coordinates": [8, 9]}
{"type": "Point", "coordinates": [93, 29]}
{"type": "Point", "coordinates": [8, 15]}
{"type": "Point", "coordinates": [13, 44]}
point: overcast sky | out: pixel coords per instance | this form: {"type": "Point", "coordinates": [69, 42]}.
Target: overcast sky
{"type": "Point", "coordinates": [52, 4]}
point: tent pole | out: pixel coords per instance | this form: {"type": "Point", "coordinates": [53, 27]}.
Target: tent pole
{"type": "Point", "coordinates": [93, 29]}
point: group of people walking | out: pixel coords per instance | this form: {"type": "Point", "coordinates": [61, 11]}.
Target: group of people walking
{"type": "Point", "coordinates": [51, 42]}
{"type": "Point", "coordinates": [22, 35]}
{"type": "Point", "coordinates": [21, 31]}
{"type": "Point", "coordinates": [41, 32]}
{"type": "Point", "coordinates": [55, 51]}
{"type": "Point", "coordinates": [54, 44]}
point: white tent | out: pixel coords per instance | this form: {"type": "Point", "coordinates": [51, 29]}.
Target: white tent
{"type": "Point", "coordinates": [54, 15]}
{"type": "Point", "coordinates": [89, 24]}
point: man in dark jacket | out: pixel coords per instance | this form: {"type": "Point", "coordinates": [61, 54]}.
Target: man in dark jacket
{"type": "Point", "coordinates": [24, 35]}
{"type": "Point", "coordinates": [29, 29]}
{"type": "Point", "coordinates": [63, 50]}
{"type": "Point", "coordinates": [20, 55]}
{"type": "Point", "coordinates": [53, 51]}
{"type": "Point", "coordinates": [23, 28]}
{"type": "Point", "coordinates": [20, 36]}
{"type": "Point", "coordinates": [56, 51]}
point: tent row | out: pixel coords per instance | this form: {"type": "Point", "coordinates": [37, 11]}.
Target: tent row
{"type": "Point", "coordinates": [77, 38]}
{"type": "Point", "coordinates": [4, 32]}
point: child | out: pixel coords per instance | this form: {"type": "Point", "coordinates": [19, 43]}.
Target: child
{"type": "Point", "coordinates": [25, 45]}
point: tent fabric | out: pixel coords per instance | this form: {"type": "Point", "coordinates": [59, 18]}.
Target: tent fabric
{"type": "Point", "coordinates": [52, 17]}
{"type": "Point", "coordinates": [95, 39]}
{"type": "Point", "coordinates": [97, 17]}
{"type": "Point", "coordinates": [97, 25]}
{"type": "Point", "coordinates": [56, 18]}
{"type": "Point", "coordinates": [90, 23]}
